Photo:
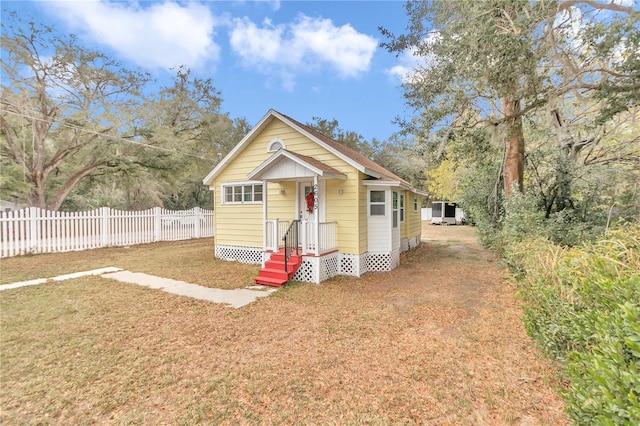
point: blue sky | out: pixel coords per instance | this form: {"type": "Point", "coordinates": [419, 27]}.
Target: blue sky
{"type": "Point", "coordinates": [303, 58]}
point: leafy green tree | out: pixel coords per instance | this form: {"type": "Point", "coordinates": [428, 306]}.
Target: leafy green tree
{"type": "Point", "coordinates": [187, 117]}
{"type": "Point", "coordinates": [63, 110]}
{"type": "Point", "coordinates": [77, 131]}
{"type": "Point", "coordinates": [492, 63]}
{"type": "Point", "coordinates": [331, 129]}
{"type": "Point", "coordinates": [399, 155]}
{"type": "Point", "coordinates": [403, 156]}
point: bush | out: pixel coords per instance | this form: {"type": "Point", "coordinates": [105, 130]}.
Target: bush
{"type": "Point", "coordinates": [582, 307]}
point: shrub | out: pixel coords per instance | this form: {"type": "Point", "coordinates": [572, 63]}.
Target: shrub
{"type": "Point", "coordinates": [582, 307]}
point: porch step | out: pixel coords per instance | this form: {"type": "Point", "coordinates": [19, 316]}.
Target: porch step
{"type": "Point", "coordinates": [272, 282]}
{"type": "Point", "coordinates": [273, 273]}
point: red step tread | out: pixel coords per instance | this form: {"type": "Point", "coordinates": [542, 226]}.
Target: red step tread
{"type": "Point", "coordinates": [273, 282]}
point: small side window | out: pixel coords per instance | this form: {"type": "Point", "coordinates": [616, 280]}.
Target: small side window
{"type": "Point", "coordinates": [395, 209]}
{"type": "Point", "coordinates": [377, 203]}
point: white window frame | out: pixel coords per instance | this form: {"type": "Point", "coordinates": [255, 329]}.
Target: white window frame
{"type": "Point", "coordinates": [378, 203]}
{"type": "Point", "coordinates": [275, 141]}
{"type": "Point", "coordinates": [242, 186]}
{"type": "Point", "coordinates": [402, 209]}
{"type": "Point", "coordinates": [415, 203]}
{"type": "Point", "coordinates": [394, 209]}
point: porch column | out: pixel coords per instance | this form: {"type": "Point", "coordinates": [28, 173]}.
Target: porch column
{"type": "Point", "coordinates": [264, 218]}
{"type": "Point", "coordinates": [316, 214]}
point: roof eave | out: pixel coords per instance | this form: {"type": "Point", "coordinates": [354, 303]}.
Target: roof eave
{"type": "Point", "coordinates": [329, 148]}
{"type": "Point", "coordinates": [208, 180]}
{"type": "Point", "coordinates": [268, 163]}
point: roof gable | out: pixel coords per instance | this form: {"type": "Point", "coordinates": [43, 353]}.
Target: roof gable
{"type": "Point", "coordinates": [350, 156]}
{"type": "Point", "coordinates": [308, 164]}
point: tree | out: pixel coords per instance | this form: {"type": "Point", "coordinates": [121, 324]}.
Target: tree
{"type": "Point", "coordinates": [187, 117]}
{"type": "Point", "coordinates": [78, 132]}
{"type": "Point", "coordinates": [63, 110]}
{"type": "Point", "coordinates": [331, 129]}
{"type": "Point", "coordinates": [491, 63]}
{"type": "Point", "coordinates": [442, 181]}
{"type": "Point", "coordinates": [401, 155]}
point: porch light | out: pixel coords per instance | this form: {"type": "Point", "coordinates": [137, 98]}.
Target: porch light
{"type": "Point", "coordinates": [341, 191]}
{"type": "Point", "coordinates": [282, 190]}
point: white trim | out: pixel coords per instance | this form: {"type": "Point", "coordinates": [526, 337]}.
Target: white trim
{"type": "Point", "coordinates": [223, 195]}
{"type": "Point", "coordinates": [275, 141]}
{"type": "Point", "coordinates": [265, 121]}
{"type": "Point", "coordinates": [395, 211]}
{"type": "Point", "coordinates": [376, 203]}
{"type": "Point", "coordinates": [208, 180]}
{"type": "Point", "coordinates": [271, 114]}
{"type": "Point", "coordinates": [277, 157]}
{"type": "Point", "coordinates": [394, 183]}
{"type": "Point", "coordinates": [241, 182]}
{"type": "Point", "coordinates": [264, 217]}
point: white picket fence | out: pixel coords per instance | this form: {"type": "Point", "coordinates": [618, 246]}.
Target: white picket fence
{"type": "Point", "coordinates": [35, 230]}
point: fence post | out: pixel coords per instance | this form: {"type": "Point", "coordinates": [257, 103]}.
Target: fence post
{"type": "Point", "coordinates": [33, 230]}
{"type": "Point", "coordinates": [198, 215]}
{"type": "Point", "coordinates": [105, 213]}
{"type": "Point", "coordinates": [156, 224]}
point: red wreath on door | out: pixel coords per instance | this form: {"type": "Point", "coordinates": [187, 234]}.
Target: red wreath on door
{"type": "Point", "coordinates": [310, 202]}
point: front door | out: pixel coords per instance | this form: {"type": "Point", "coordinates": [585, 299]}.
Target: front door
{"type": "Point", "coordinates": [304, 199]}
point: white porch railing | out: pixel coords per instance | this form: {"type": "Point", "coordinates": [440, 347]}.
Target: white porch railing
{"type": "Point", "coordinates": [327, 231]}
{"type": "Point", "coordinates": [275, 229]}
{"type": "Point", "coordinates": [326, 237]}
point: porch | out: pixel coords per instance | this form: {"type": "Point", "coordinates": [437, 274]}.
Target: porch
{"type": "Point", "coordinates": [312, 240]}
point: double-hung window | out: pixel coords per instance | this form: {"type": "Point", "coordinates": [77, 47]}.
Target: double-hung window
{"type": "Point", "coordinates": [401, 208]}
{"type": "Point", "coordinates": [377, 203]}
{"type": "Point", "coordinates": [395, 209]}
{"type": "Point", "coordinates": [242, 192]}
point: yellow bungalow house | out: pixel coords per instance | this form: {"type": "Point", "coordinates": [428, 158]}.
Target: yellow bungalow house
{"type": "Point", "coordinates": [285, 186]}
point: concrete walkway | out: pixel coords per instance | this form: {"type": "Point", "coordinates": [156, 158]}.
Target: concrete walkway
{"type": "Point", "coordinates": [234, 298]}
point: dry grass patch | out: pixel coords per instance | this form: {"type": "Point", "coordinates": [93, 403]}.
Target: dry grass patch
{"type": "Point", "coordinates": [190, 261]}
{"type": "Point", "coordinates": [436, 341]}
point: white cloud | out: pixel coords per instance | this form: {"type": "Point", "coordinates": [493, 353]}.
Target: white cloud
{"type": "Point", "coordinates": [275, 5]}
{"type": "Point", "coordinates": [409, 62]}
{"type": "Point", "coordinates": [162, 35]}
{"type": "Point", "coordinates": [303, 46]}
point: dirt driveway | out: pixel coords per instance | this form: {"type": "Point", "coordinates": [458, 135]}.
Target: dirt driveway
{"type": "Point", "coordinates": [451, 296]}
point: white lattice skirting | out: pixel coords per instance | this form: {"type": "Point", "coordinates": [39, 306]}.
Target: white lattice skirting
{"type": "Point", "coordinates": [239, 253]}
{"type": "Point", "coordinates": [318, 269]}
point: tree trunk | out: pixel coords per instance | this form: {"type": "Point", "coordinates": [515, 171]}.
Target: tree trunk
{"type": "Point", "coordinates": [514, 147]}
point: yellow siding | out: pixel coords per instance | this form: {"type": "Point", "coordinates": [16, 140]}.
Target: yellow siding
{"type": "Point", "coordinates": [242, 224]}
{"type": "Point", "coordinates": [282, 206]}
{"type": "Point", "coordinates": [363, 211]}
{"type": "Point", "coordinates": [414, 224]}
{"type": "Point", "coordinates": [342, 208]}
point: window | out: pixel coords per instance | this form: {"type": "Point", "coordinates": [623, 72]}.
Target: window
{"type": "Point", "coordinates": [395, 209]}
{"type": "Point", "coordinates": [376, 203]}
{"type": "Point", "coordinates": [242, 193]}
{"type": "Point", "coordinates": [415, 203]}
{"type": "Point", "coordinates": [401, 208]}
{"type": "Point", "coordinates": [276, 144]}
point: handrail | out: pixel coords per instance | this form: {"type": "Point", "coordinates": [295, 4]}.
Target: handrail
{"type": "Point", "coordinates": [291, 242]}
